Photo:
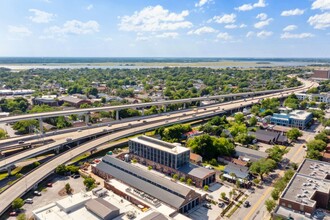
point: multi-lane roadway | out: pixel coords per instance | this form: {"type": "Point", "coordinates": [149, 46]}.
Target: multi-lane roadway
{"type": "Point", "coordinates": [30, 180]}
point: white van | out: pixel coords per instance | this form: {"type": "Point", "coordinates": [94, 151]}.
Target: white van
{"type": "Point", "coordinates": [29, 201]}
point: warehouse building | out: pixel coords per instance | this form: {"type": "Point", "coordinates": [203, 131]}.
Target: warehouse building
{"type": "Point", "coordinates": [153, 188]}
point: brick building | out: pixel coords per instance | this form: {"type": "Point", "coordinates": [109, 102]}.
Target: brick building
{"type": "Point", "coordinates": [308, 190]}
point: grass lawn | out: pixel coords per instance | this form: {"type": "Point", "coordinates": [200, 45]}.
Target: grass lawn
{"type": "Point", "coordinates": [219, 167]}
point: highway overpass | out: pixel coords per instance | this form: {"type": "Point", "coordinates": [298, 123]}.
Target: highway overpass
{"type": "Point", "coordinates": [87, 111]}
{"type": "Point", "coordinates": [31, 179]}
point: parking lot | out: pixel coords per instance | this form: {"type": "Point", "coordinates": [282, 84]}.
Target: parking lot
{"type": "Point", "coordinates": [202, 212]}
{"type": "Point", "coordinates": [50, 194]}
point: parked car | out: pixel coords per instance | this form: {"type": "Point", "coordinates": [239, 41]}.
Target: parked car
{"type": "Point", "coordinates": [49, 184]}
{"type": "Point", "coordinates": [221, 204]}
{"type": "Point", "coordinates": [29, 201]}
{"type": "Point", "coordinates": [13, 213]}
{"type": "Point", "coordinates": [247, 204]}
{"type": "Point", "coordinates": [75, 176]}
{"type": "Point", "coordinates": [208, 206]}
{"type": "Point", "coordinates": [37, 193]}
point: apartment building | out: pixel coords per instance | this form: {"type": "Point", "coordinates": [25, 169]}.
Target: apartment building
{"type": "Point", "coordinates": [297, 118]}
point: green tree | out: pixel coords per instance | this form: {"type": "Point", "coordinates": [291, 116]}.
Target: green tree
{"type": "Point", "coordinates": [36, 164]}
{"type": "Point", "coordinates": [322, 106]}
{"type": "Point", "coordinates": [253, 121]}
{"type": "Point", "coordinates": [255, 109]}
{"type": "Point", "coordinates": [17, 203]}
{"type": "Point", "coordinates": [25, 127]}
{"type": "Point", "coordinates": [275, 194]}
{"type": "Point", "coordinates": [270, 205]}
{"type": "Point", "coordinates": [270, 103]}
{"type": "Point", "coordinates": [322, 136]}
{"type": "Point", "coordinates": [68, 188]}
{"type": "Point", "coordinates": [206, 188]}
{"type": "Point", "coordinates": [61, 122]}
{"type": "Point", "coordinates": [313, 154]}
{"type": "Point", "coordinates": [262, 166]}
{"type": "Point", "coordinates": [182, 179]}
{"type": "Point", "coordinates": [293, 134]}
{"type": "Point", "coordinates": [223, 195]}
{"type": "Point", "coordinates": [318, 145]}
{"type": "Point", "coordinates": [21, 216]}
{"type": "Point", "coordinates": [89, 183]}
{"type": "Point", "coordinates": [189, 182]}
{"type": "Point", "coordinates": [292, 102]}
{"type": "Point", "coordinates": [239, 117]}
{"type": "Point", "coordinates": [61, 169]}
{"type": "Point", "coordinates": [303, 104]}
{"type": "Point", "coordinates": [3, 134]}
{"type": "Point", "coordinates": [175, 176]}
{"type": "Point", "coordinates": [276, 153]}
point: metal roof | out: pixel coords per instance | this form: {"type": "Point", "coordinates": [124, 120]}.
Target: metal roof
{"type": "Point", "coordinates": [100, 207]}
{"type": "Point", "coordinates": [155, 216]}
{"type": "Point", "coordinates": [240, 171]}
{"type": "Point", "coordinates": [162, 189]}
{"type": "Point", "coordinates": [250, 152]}
{"type": "Point", "coordinates": [194, 170]}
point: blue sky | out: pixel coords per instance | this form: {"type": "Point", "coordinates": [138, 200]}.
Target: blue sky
{"type": "Point", "coordinates": [165, 28]}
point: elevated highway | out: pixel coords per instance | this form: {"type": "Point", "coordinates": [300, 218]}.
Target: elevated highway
{"type": "Point", "coordinates": [30, 180]}
{"type": "Point", "coordinates": [43, 115]}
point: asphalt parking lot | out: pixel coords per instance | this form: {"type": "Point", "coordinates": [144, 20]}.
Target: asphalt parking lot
{"type": "Point", "coordinates": [50, 194]}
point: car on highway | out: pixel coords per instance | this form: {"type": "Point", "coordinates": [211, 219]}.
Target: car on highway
{"type": "Point", "coordinates": [79, 130]}
{"type": "Point", "coordinates": [20, 142]}
{"type": "Point", "coordinates": [37, 193]}
{"type": "Point", "coordinates": [144, 121]}
{"type": "Point", "coordinates": [69, 139]}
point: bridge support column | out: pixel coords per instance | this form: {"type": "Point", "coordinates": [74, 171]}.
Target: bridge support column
{"type": "Point", "coordinates": [9, 171]}
{"type": "Point", "coordinates": [117, 115]}
{"type": "Point", "coordinates": [86, 119]}
{"type": "Point", "coordinates": [165, 108]}
{"type": "Point", "coordinates": [41, 127]}
{"type": "Point", "coordinates": [184, 105]}
{"type": "Point", "coordinates": [142, 111]}
{"type": "Point", "coordinates": [57, 150]}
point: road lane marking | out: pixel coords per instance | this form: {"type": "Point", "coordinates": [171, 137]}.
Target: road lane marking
{"type": "Point", "coordinates": [252, 211]}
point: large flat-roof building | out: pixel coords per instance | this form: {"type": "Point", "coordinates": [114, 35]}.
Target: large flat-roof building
{"type": "Point", "coordinates": [168, 154]}
{"type": "Point", "coordinates": [322, 97]}
{"type": "Point", "coordinates": [297, 118]}
{"type": "Point", "coordinates": [308, 190]}
{"type": "Point", "coordinates": [157, 189]}
{"type": "Point", "coordinates": [321, 74]}
{"type": "Point", "coordinates": [169, 158]}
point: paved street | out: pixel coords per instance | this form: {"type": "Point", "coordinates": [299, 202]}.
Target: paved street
{"type": "Point", "coordinates": [296, 155]}
{"type": "Point", "coordinates": [7, 128]}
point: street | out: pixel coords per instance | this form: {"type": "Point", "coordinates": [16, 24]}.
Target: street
{"type": "Point", "coordinates": [296, 154]}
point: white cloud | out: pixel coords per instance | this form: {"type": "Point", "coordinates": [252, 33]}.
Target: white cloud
{"type": "Point", "coordinates": [41, 16]}
{"type": "Point", "coordinates": [250, 34]}
{"type": "Point", "coordinates": [288, 35]}
{"type": "Point", "coordinates": [293, 12]}
{"type": "Point", "coordinates": [248, 7]}
{"type": "Point", "coordinates": [225, 19]}
{"type": "Point", "coordinates": [262, 24]}
{"type": "Point", "coordinates": [90, 7]}
{"type": "Point", "coordinates": [168, 35]}
{"type": "Point", "coordinates": [142, 37]}
{"type": "Point", "coordinates": [234, 26]}
{"type": "Point", "coordinates": [290, 28]}
{"type": "Point", "coordinates": [321, 4]}
{"type": "Point", "coordinates": [202, 3]}
{"type": "Point", "coordinates": [74, 27]}
{"type": "Point", "coordinates": [224, 36]}
{"type": "Point", "coordinates": [155, 18]}
{"type": "Point", "coordinates": [262, 16]}
{"type": "Point", "coordinates": [19, 30]}
{"type": "Point", "coordinates": [202, 30]}
{"type": "Point", "coordinates": [264, 34]}
{"type": "Point", "coordinates": [320, 21]}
